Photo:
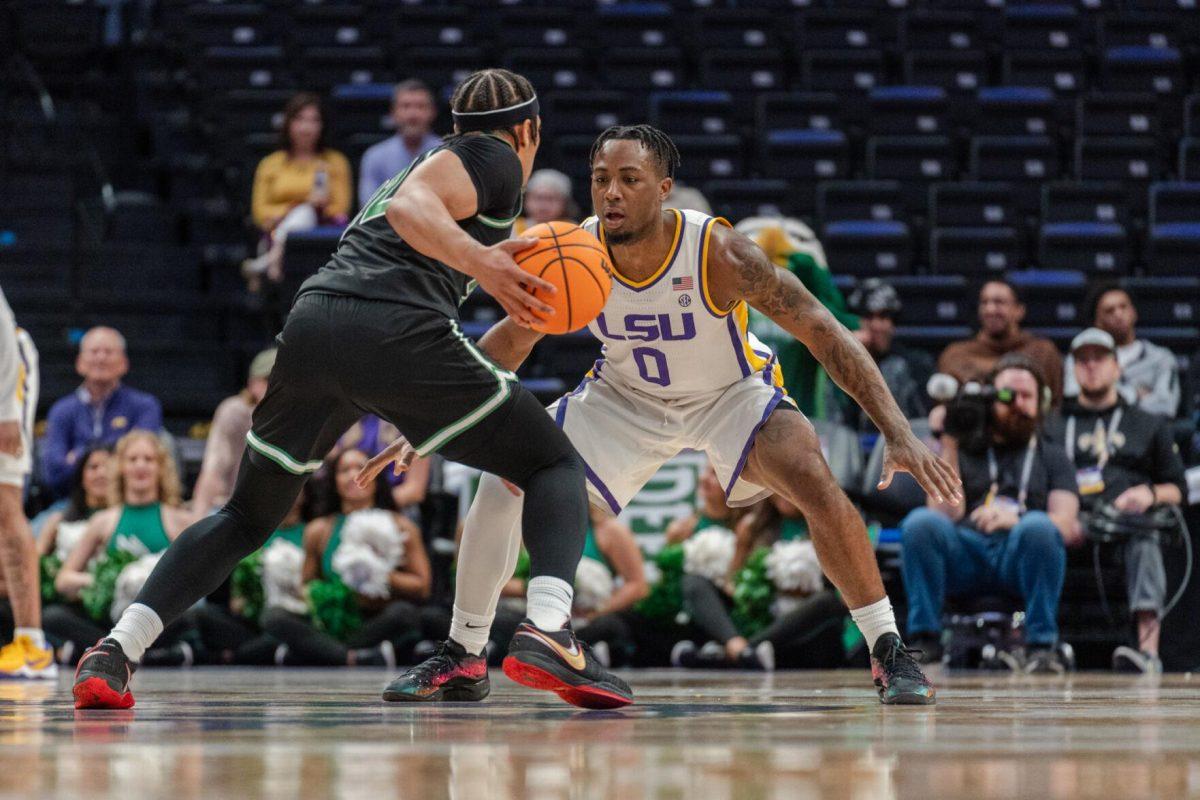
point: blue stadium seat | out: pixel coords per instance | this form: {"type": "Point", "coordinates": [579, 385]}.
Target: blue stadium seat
{"type": "Point", "coordinates": [953, 70]}
{"type": "Point", "coordinates": [935, 299]}
{"type": "Point", "coordinates": [911, 158]}
{"type": "Point", "coordinates": [1052, 297]}
{"type": "Point", "coordinates": [1139, 30]}
{"type": "Point", "coordinates": [737, 199]}
{"type": "Point", "coordinates": [842, 70]}
{"type": "Point", "coordinates": [737, 71]}
{"type": "Point", "coordinates": [587, 111]}
{"type": "Point", "coordinates": [1117, 158]}
{"type": "Point", "coordinates": [1173, 247]}
{"type": "Point", "coordinates": [429, 26]}
{"type": "Point", "coordinates": [330, 25]}
{"type": "Point", "coordinates": [1165, 300]}
{"type": "Point", "coordinates": [570, 155]}
{"type": "Point", "coordinates": [799, 111]}
{"type": "Point", "coordinates": [1070, 201]}
{"type": "Point", "coordinates": [636, 24]}
{"type": "Point", "coordinates": [975, 250]}
{"type": "Point", "coordinates": [864, 247]}
{"type": "Point", "coordinates": [1064, 71]}
{"type": "Point", "coordinates": [1143, 69]}
{"type": "Point", "coordinates": [40, 28]}
{"type": "Point", "coordinates": [720, 28]}
{"type": "Point", "coordinates": [441, 67]}
{"type": "Point", "coordinates": [1097, 247]}
{"type": "Point", "coordinates": [362, 108]}
{"type": "Point", "coordinates": [1014, 158]}
{"type": "Point", "coordinates": [703, 158]}
{"type": "Point", "coordinates": [805, 154]}
{"type": "Point", "coordinates": [248, 110]}
{"type": "Point", "coordinates": [1038, 27]}
{"type": "Point", "coordinates": [1191, 116]}
{"type": "Point", "coordinates": [709, 112]}
{"type": "Point", "coordinates": [973, 205]}
{"type": "Point", "coordinates": [879, 201]}
{"type": "Point", "coordinates": [543, 27]}
{"type": "Point", "coordinates": [231, 25]}
{"type": "Point", "coordinates": [643, 68]}
{"type": "Point", "coordinates": [1189, 159]}
{"type": "Point", "coordinates": [322, 68]}
{"type": "Point", "coordinates": [1015, 111]}
{"type": "Point", "coordinates": [1117, 114]}
{"type": "Point", "coordinates": [552, 68]}
{"type": "Point", "coordinates": [924, 29]}
{"type": "Point", "coordinates": [833, 29]}
{"type": "Point", "coordinates": [248, 67]}
{"type": "Point", "coordinates": [908, 110]}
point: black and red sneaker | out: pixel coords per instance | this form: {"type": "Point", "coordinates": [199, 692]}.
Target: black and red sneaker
{"type": "Point", "coordinates": [451, 674]}
{"type": "Point", "coordinates": [102, 677]}
{"type": "Point", "coordinates": [898, 675]}
{"type": "Point", "coordinates": [558, 662]}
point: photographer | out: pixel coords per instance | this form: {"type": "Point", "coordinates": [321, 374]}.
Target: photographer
{"type": "Point", "coordinates": [1008, 534]}
{"type": "Point", "coordinates": [1126, 465]}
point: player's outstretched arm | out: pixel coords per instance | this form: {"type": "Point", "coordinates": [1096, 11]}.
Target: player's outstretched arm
{"type": "Point", "coordinates": [424, 211]}
{"type": "Point", "coordinates": [508, 343]}
{"type": "Point", "coordinates": [740, 270]}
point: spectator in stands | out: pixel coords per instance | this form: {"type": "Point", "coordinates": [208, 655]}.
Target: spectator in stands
{"type": "Point", "coordinates": [227, 437]}
{"type": "Point", "coordinates": [547, 198]}
{"type": "Point", "coordinates": [1149, 374]}
{"type": "Point", "coordinates": [410, 488]}
{"type": "Point", "coordinates": [1126, 457]}
{"type": "Point", "coordinates": [301, 185]}
{"type": "Point", "coordinates": [686, 197]}
{"type": "Point", "coordinates": [89, 494]}
{"type": "Point", "coordinates": [1020, 506]}
{"type": "Point", "coordinates": [905, 371]}
{"type": "Point", "coordinates": [712, 512]}
{"type": "Point", "coordinates": [1001, 311]}
{"type": "Point", "coordinates": [100, 411]}
{"type": "Point", "coordinates": [413, 112]}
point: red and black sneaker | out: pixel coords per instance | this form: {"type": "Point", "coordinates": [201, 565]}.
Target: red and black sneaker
{"type": "Point", "coordinates": [558, 662]}
{"type": "Point", "coordinates": [102, 677]}
{"type": "Point", "coordinates": [898, 675]}
{"type": "Point", "coordinates": [451, 674]}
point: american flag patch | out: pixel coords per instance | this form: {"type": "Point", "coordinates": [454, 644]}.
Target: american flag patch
{"type": "Point", "coordinates": [682, 284]}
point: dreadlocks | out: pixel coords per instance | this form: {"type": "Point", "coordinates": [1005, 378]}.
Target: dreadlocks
{"type": "Point", "coordinates": [666, 155]}
{"type": "Point", "coordinates": [490, 89]}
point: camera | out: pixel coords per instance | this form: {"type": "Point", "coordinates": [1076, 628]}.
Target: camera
{"type": "Point", "coordinates": [968, 409]}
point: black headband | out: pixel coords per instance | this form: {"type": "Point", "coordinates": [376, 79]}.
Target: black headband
{"type": "Point", "coordinates": [495, 119]}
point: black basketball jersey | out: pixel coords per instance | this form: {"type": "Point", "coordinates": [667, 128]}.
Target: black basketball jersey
{"type": "Point", "coordinates": [372, 261]}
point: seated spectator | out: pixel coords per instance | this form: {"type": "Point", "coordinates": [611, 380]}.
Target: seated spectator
{"type": "Point", "coordinates": [547, 198]}
{"type": "Point", "coordinates": [1149, 373]}
{"type": "Point", "coordinates": [611, 544]}
{"type": "Point", "coordinates": [1001, 311]}
{"type": "Point", "coordinates": [413, 113]}
{"type": "Point", "coordinates": [410, 488]}
{"type": "Point", "coordinates": [89, 494]}
{"type": "Point", "coordinates": [1126, 457]}
{"type": "Point", "coordinates": [301, 185]}
{"type": "Point", "coordinates": [390, 619]}
{"type": "Point", "coordinates": [1007, 534]}
{"type": "Point", "coordinates": [227, 437]}
{"type": "Point", "coordinates": [905, 371]}
{"type": "Point", "coordinates": [100, 411]}
{"type": "Point", "coordinates": [143, 518]}
{"type": "Point", "coordinates": [686, 197]}
{"type": "Point", "coordinates": [712, 513]}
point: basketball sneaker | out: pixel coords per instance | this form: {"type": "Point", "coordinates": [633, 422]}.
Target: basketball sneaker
{"type": "Point", "coordinates": [451, 674]}
{"type": "Point", "coordinates": [898, 675]}
{"type": "Point", "coordinates": [558, 662]}
{"type": "Point", "coordinates": [102, 677]}
{"type": "Point", "coordinates": [21, 658]}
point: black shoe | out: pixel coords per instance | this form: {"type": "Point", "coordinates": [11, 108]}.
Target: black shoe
{"type": "Point", "coordinates": [898, 675]}
{"type": "Point", "coordinates": [1044, 660]}
{"type": "Point", "coordinates": [558, 662]}
{"type": "Point", "coordinates": [927, 648]}
{"type": "Point", "coordinates": [759, 657]}
{"type": "Point", "coordinates": [1126, 659]}
{"type": "Point", "coordinates": [102, 677]}
{"type": "Point", "coordinates": [451, 674]}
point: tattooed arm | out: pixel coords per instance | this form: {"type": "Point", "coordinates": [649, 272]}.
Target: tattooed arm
{"type": "Point", "coordinates": [739, 270]}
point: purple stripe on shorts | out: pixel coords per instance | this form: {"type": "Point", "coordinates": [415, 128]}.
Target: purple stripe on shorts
{"type": "Point", "coordinates": [559, 415]}
{"type": "Point", "coordinates": [737, 346]}
{"type": "Point", "coordinates": [741, 464]}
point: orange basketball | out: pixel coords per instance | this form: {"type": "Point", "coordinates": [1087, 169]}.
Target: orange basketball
{"type": "Point", "coordinates": [577, 264]}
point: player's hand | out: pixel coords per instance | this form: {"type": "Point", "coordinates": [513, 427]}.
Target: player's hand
{"type": "Point", "coordinates": [10, 438]}
{"type": "Point", "coordinates": [936, 477]}
{"type": "Point", "coordinates": [499, 276]}
{"type": "Point", "coordinates": [399, 451]}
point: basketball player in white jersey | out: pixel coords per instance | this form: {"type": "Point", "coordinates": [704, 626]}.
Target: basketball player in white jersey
{"type": "Point", "coordinates": [27, 655]}
{"type": "Point", "coordinates": [680, 370]}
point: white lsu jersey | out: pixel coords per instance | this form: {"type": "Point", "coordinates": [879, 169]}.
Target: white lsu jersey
{"type": "Point", "coordinates": [664, 335]}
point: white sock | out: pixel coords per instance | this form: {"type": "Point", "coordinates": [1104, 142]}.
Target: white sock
{"type": "Point", "coordinates": [471, 630]}
{"type": "Point", "coordinates": [549, 602]}
{"type": "Point", "coordinates": [136, 630]}
{"type": "Point", "coordinates": [875, 620]}
{"type": "Point", "coordinates": [35, 635]}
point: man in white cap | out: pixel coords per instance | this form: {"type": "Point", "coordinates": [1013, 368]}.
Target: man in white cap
{"type": "Point", "coordinates": [1126, 457]}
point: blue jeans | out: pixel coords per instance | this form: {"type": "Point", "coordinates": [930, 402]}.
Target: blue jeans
{"type": "Point", "coordinates": [942, 558]}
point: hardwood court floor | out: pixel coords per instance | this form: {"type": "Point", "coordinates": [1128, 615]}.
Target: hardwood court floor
{"type": "Point", "coordinates": [218, 733]}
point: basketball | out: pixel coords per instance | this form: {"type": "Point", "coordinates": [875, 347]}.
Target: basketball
{"type": "Point", "coordinates": [577, 264]}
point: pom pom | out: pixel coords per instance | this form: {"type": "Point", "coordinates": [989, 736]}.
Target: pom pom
{"type": "Point", "coordinates": [246, 587]}
{"type": "Point", "coordinates": [130, 582]}
{"type": "Point", "coordinates": [48, 567]}
{"type": "Point", "coordinates": [793, 567]}
{"type": "Point", "coordinates": [97, 598]}
{"type": "Point", "coordinates": [361, 569]}
{"type": "Point", "coordinates": [377, 530]}
{"type": "Point", "coordinates": [752, 594]}
{"type": "Point", "coordinates": [593, 585]}
{"type": "Point", "coordinates": [282, 564]}
{"type": "Point", "coordinates": [665, 601]}
{"type": "Point", "coordinates": [334, 607]}
{"type": "Point", "coordinates": [67, 536]}
{"type": "Point", "coordinates": [709, 553]}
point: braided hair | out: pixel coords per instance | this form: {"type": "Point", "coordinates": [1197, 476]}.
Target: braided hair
{"type": "Point", "coordinates": [660, 146]}
{"type": "Point", "coordinates": [489, 89]}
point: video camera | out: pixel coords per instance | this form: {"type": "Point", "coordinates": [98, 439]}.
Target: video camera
{"type": "Point", "coordinates": [968, 408]}
{"type": "Point", "coordinates": [1105, 524]}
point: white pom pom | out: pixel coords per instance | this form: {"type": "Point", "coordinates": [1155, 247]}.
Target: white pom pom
{"type": "Point", "coordinates": [793, 567]}
{"type": "Point", "coordinates": [593, 585]}
{"type": "Point", "coordinates": [376, 529]}
{"type": "Point", "coordinates": [709, 553]}
{"type": "Point", "coordinates": [361, 568]}
{"type": "Point", "coordinates": [282, 564]}
{"type": "Point", "coordinates": [130, 582]}
{"type": "Point", "coordinates": [67, 536]}
{"type": "Point", "coordinates": [653, 573]}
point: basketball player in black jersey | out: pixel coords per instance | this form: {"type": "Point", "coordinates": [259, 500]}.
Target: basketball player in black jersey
{"type": "Point", "coordinates": [376, 331]}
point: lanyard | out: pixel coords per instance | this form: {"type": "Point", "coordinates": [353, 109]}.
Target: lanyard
{"type": "Point", "coordinates": [1109, 431]}
{"type": "Point", "coordinates": [1026, 471]}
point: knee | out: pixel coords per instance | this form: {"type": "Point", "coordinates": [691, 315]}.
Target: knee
{"type": "Point", "coordinates": [275, 620]}
{"type": "Point", "coordinates": [401, 613]}
{"type": "Point", "coordinates": [694, 586]}
{"type": "Point", "coordinates": [923, 529]}
{"type": "Point", "coordinates": [1038, 538]}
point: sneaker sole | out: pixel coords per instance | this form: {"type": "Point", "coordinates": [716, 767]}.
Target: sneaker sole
{"type": "Point", "coordinates": [588, 695]}
{"type": "Point", "coordinates": [909, 699]}
{"type": "Point", "coordinates": [96, 693]}
{"type": "Point", "coordinates": [462, 693]}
